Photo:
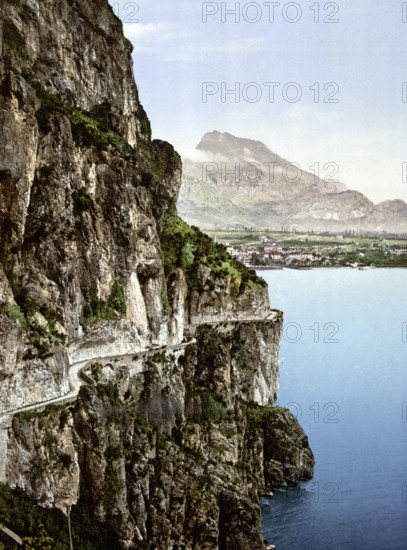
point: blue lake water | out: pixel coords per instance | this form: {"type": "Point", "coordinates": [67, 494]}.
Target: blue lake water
{"type": "Point", "coordinates": [346, 381]}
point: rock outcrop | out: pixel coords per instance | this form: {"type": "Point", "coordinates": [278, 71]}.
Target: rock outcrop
{"type": "Point", "coordinates": [171, 435]}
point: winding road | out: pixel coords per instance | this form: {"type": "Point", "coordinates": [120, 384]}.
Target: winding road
{"type": "Point", "coordinates": [78, 377]}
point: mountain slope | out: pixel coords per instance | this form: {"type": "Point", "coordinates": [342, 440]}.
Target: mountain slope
{"type": "Point", "coordinates": [241, 182]}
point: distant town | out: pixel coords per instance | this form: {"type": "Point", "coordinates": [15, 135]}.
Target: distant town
{"type": "Point", "coordinates": [275, 250]}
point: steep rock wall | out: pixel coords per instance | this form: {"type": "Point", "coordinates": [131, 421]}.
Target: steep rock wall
{"type": "Point", "coordinates": [167, 448]}
{"type": "Point", "coordinates": [172, 448]}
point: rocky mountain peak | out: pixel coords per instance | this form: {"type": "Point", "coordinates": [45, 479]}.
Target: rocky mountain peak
{"type": "Point", "coordinates": [233, 147]}
{"type": "Point", "coordinates": [248, 185]}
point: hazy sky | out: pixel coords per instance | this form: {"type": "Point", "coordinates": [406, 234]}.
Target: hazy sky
{"type": "Point", "coordinates": [364, 54]}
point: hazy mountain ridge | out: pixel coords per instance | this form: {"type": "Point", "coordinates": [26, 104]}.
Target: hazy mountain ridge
{"type": "Point", "coordinates": [239, 181]}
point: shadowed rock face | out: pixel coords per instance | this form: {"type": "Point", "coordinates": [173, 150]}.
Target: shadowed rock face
{"type": "Point", "coordinates": [257, 188]}
{"type": "Point", "coordinates": [287, 456]}
{"type": "Point", "coordinates": [168, 449]}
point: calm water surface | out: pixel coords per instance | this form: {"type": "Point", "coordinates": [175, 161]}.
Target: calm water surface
{"type": "Point", "coordinates": [346, 381]}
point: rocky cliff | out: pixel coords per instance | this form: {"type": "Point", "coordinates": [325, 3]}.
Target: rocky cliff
{"type": "Point", "coordinates": [240, 181]}
{"type": "Point", "coordinates": [139, 362]}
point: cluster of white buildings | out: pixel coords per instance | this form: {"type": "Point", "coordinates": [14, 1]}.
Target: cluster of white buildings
{"type": "Point", "coordinates": [270, 254]}
{"type": "Point", "coordinates": [398, 252]}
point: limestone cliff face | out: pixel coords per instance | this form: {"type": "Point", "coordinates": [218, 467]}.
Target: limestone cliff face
{"type": "Point", "coordinates": [169, 449]}
{"type": "Point", "coordinates": [169, 438]}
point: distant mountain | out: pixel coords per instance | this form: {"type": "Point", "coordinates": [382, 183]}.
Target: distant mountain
{"type": "Point", "coordinates": [240, 182]}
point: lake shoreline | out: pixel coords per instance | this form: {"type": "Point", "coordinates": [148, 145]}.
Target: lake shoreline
{"type": "Point", "coordinates": [315, 267]}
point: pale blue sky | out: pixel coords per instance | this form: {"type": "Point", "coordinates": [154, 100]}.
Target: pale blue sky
{"type": "Point", "coordinates": [365, 53]}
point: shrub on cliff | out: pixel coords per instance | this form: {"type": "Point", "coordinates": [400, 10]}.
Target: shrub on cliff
{"type": "Point", "coordinates": [187, 247]}
{"type": "Point", "coordinates": [88, 128]}
{"type": "Point", "coordinates": [100, 310]}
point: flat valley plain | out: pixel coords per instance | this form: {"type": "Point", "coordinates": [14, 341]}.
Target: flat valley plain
{"type": "Point", "coordinates": [289, 249]}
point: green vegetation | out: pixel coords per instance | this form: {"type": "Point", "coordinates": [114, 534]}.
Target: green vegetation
{"type": "Point", "coordinates": [42, 337]}
{"type": "Point", "coordinates": [23, 516]}
{"type": "Point", "coordinates": [97, 371]}
{"type": "Point", "coordinates": [57, 462]}
{"type": "Point", "coordinates": [142, 426]}
{"type": "Point", "coordinates": [99, 310]}
{"type": "Point", "coordinates": [111, 392]}
{"type": "Point", "coordinates": [41, 541]}
{"type": "Point", "coordinates": [144, 120]}
{"type": "Point", "coordinates": [113, 484]}
{"type": "Point", "coordinates": [164, 298]}
{"type": "Point", "coordinates": [101, 115]}
{"type": "Point", "coordinates": [187, 247]}
{"type": "Point", "coordinates": [327, 250]}
{"type": "Point", "coordinates": [90, 129]}
{"type": "Point", "coordinates": [212, 409]}
{"type": "Point", "coordinates": [373, 256]}
{"type": "Point", "coordinates": [60, 412]}
{"type": "Point", "coordinates": [255, 412]}
{"type": "Point", "coordinates": [82, 202]}
{"type": "Point", "coordinates": [117, 299]}
{"type": "Point", "coordinates": [159, 358]}
{"type": "Point", "coordinates": [14, 312]}
{"type": "Point", "coordinates": [13, 38]}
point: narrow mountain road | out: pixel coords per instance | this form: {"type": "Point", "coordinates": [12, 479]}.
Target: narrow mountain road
{"type": "Point", "coordinates": [77, 376]}
{"type": "Point", "coordinates": [270, 317]}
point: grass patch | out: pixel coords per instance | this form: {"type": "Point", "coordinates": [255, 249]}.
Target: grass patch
{"type": "Point", "coordinates": [159, 358]}
{"type": "Point", "coordinates": [142, 426]}
{"type": "Point", "coordinates": [89, 129]}
{"type": "Point", "coordinates": [60, 412]}
{"type": "Point", "coordinates": [99, 310]}
{"type": "Point", "coordinates": [212, 409]}
{"type": "Point", "coordinates": [113, 485]}
{"type": "Point", "coordinates": [255, 412]}
{"type": "Point", "coordinates": [187, 247]}
{"type": "Point", "coordinates": [97, 371]}
{"type": "Point", "coordinates": [58, 463]}
{"type": "Point", "coordinates": [14, 312]}
{"type": "Point", "coordinates": [111, 392]}
{"type": "Point", "coordinates": [23, 516]}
